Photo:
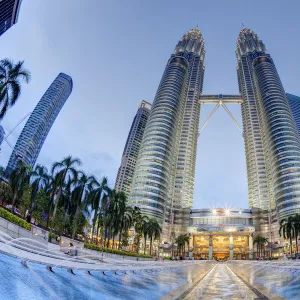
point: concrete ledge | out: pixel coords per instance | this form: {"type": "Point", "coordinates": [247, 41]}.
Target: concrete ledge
{"type": "Point", "coordinates": [182, 291]}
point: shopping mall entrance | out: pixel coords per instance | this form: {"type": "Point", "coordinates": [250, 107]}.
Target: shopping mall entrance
{"type": "Point", "coordinates": [221, 234]}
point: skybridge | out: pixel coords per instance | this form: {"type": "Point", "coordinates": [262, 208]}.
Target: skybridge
{"type": "Point", "coordinates": [221, 101]}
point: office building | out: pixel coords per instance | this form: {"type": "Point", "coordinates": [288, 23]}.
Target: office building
{"type": "Point", "coordinates": [132, 147]}
{"type": "Point", "coordinates": [9, 12]}
{"type": "Point", "coordinates": [153, 185]}
{"type": "Point", "coordinates": [37, 127]}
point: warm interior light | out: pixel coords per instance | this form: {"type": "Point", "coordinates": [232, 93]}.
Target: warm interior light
{"type": "Point", "coordinates": [227, 212]}
{"type": "Point", "coordinates": [214, 211]}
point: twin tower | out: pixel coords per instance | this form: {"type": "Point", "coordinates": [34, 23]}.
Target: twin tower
{"type": "Point", "coordinates": [163, 180]}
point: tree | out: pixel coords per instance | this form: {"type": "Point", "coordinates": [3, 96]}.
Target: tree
{"type": "Point", "coordinates": [26, 199]}
{"type": "Point", "coordinates": [181, 241]}
{"type": "Point", "coordinates": [95, 199]}
{"type": "Point", "coordinates": [154, 231]}
{"type": "Point", "coordinates": [260, 241]}
{"type": "Point", "coordinates": [40, 179]}
{"type": "Point", "coordinates": [63, 170]}
{"type": "Point", "coordinates": [286, 230]}
{"type": "Point", "coordinates": [125, 239]}
{"type": "Point", "coordinates": [19, 178]}
{"type": "Point", "coordinates": [41, 205]}
{"type": "Point", "coordinates": [5, 193]}
{"type": "Point", "coordinates": [82, 187]}
{"type": "Point", "coordinates": [11, 78]}
{"type": "Point", "coordinates": [296, 224]}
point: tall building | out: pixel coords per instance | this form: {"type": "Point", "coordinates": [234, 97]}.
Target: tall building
{"type": "Point", "coordinates": [168, 149]}
{"type": "Point", "coordinates": [9, 12]}
{"type": "Point", "coordinates": [2, 135]}
{"type": "Point", "coordinates": [268, 121]}
{"type": "Point", "coordinates": [247, 48]}
{"type": "Point", "coordinates": [132, 147]}
{"type": "Point", "coordinates": [294, 102]}
{"type": "Point", "coordinates": [37, 127]}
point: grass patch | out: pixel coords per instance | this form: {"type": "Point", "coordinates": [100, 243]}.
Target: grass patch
{"type": "Point", "coordinates": [14, 219]}
{"type": "Point", "coordinates": [114, 251]}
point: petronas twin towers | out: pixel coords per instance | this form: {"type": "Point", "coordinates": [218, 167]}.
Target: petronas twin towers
{"type": "Point", "coordinates": [163, 182]}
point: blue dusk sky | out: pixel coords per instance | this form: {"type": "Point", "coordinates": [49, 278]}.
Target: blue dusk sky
{"type": "Point", "coordinates": [116, 52]}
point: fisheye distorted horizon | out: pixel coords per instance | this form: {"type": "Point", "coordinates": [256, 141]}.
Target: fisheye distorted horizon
{"type": "Point", "coordinates": [116, 53]}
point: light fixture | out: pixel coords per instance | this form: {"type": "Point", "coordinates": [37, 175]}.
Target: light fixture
{"type": "Point", "coordinates": [227, 211]}
{"type": "Point", "coordinates": [214, 211]}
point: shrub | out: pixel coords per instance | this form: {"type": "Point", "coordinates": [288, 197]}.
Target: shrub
{"type": "Point", "coordinates": [14, 219]}
{"type": "Point", "coordinates": [114, 251]}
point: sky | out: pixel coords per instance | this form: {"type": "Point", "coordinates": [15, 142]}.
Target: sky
{"type": "Point", "coordinates": [116, 52]}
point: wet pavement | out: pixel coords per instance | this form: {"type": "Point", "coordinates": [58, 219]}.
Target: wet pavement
{"type": "Point", "coordinates": [221, 283]}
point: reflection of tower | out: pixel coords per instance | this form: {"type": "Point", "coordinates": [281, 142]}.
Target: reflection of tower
{"type": "Point", "coordinates": [168, 148]}
{"type": "Point", "coordinates": [132, 147]}
{"type": "Point", "coordinates": [38, 125]}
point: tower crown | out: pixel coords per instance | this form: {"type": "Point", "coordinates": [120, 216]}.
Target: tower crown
{"type": "Point", "coordinates": [248, 42]}
{"type": "Point", "coordinates": [191, 41]}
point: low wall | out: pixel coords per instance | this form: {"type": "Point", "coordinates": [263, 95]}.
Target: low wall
{"type": "Point", "coordinates": [101, 255]}
{"type": "Point", "coordinates": [65, 244]}
{"type": "Point", "coordinates": [16, 231]}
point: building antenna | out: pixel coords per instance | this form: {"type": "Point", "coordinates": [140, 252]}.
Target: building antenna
{"type": "Point", "coordinates": [243, 25]}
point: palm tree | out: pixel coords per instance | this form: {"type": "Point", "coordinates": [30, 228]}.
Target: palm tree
{"type": "Point", "coordinates": [11, 77]}
{"type": "Point", "coordinates": [260, 242]}
{"type": "Point", "coordinates": [63, 170]}
{"type": "Point", "coordinates": [287, 230]}
{"type": "Point", "coordinates": [95, 199]}
{"type": "Point", "coordinates": [296, 224]}
{"type": "Point", "coordinates": [154, 231]}
{"type": "Point", "coordinates": [140, 227]}
{"type": "Point", "coordinates": [126, 221]}
{"type": "Point", "coordinates": [82, 187]}
{"type": "Point", "coordinates": [40, 180]}
{"type": "Point", "coordinates": [18, 179]}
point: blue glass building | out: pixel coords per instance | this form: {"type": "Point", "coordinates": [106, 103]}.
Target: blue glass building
{"type": "Point", "coordinates": [9, 12]}
{"type": "Point", "coordinates": [36, 129]}
{"type": "Point", "coordinates": [294, 102]}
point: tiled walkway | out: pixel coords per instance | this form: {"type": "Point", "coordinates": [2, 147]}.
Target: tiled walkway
{"type": "Point", "coordinates": [221, 283]}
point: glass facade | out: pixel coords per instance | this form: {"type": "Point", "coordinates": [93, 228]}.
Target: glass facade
{"type": "Point", "coordinates": [152, 178]}
{"type": "Point", "coordinates": [9, 11]}
{"type": "Point", "coordinates": [37, 127]}
{"type": "Point", "coordinates": [247, 45]}
{"type": "Point", "coordinates": [164, 176]}
{"type": "Point", "coordinates": [294, 102]}
{"type": "Point", "coordinates": [132, 148]}
{"type": "Point", "coordinates": [280, 136]}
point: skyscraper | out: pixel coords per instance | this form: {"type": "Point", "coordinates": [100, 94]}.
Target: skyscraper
{"type": "Point", "coordinates": [247, 48]}
{"type": "Point", "coordinates": [9, 12]}
{"type": "Point", "coordinates": [37, 127]}
{"type": "Point", "coordinates": [132, 147]}
{"type": "Point", "coordinates": [271, 138]}
{"type": "Point", "coordinates": [168, 148]}
{"type": "Point", "coordinates": [294, 102]}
